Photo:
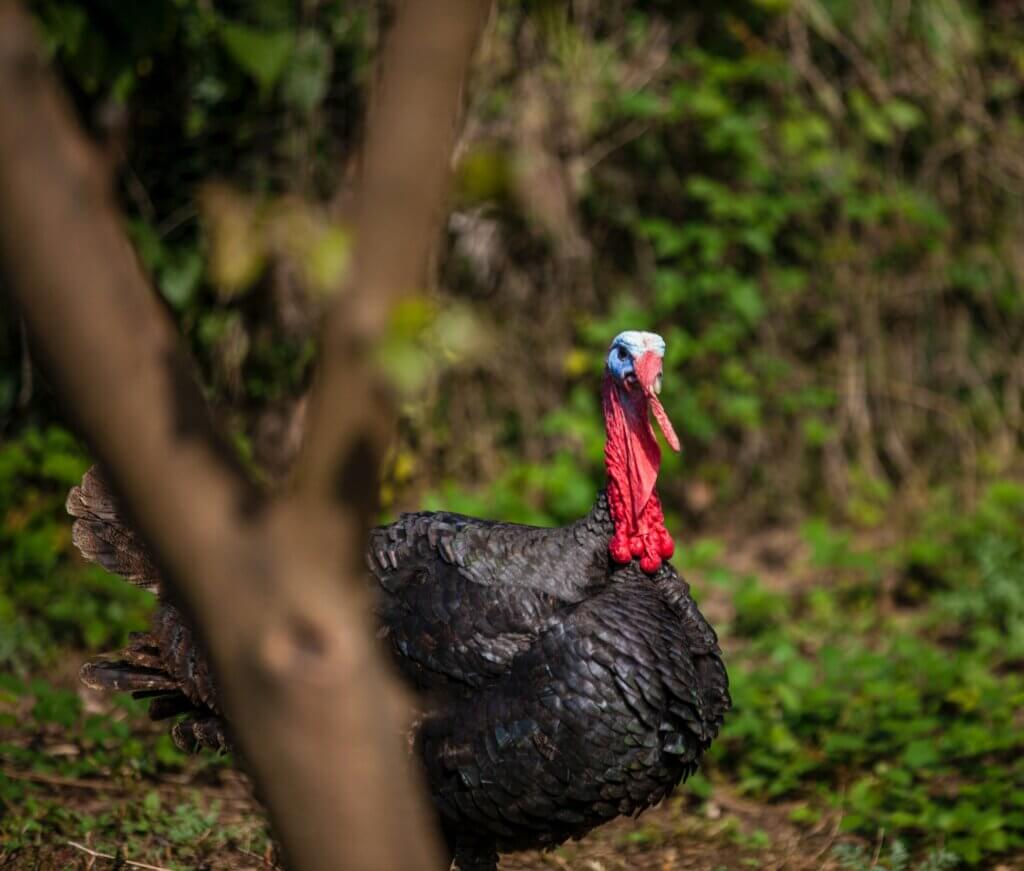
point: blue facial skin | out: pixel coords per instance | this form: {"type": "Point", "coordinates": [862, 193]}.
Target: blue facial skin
{"type": "Point", "coordinates": [630, 346]}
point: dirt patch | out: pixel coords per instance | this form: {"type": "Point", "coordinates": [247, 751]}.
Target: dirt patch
{"type": "Point", "coordinates": [726, 832]}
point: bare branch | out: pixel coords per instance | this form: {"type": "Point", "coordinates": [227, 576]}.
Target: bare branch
{"type": "Point", "coordinates": [129, 862]}
{"type": "Point", "coordinates": [401, 197]}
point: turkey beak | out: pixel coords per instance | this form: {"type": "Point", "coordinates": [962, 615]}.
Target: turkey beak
{"type": "Point", "coordinates": [648, 372]}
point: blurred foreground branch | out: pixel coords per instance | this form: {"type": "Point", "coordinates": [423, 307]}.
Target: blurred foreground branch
{"type": "Point", "coordinates": [312, 706]}
{"type": "Point", "coordinates": [401, 192]}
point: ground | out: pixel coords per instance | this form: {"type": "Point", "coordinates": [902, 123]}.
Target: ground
{"type": "Point", "coordinates": [723, 832]}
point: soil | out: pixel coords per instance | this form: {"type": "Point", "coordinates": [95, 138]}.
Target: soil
{"type": "Point", "coordinates": [725, 832]}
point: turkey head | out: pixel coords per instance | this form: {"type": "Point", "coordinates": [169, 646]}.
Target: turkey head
{"type": "Point", "coordinates": [629, 395]}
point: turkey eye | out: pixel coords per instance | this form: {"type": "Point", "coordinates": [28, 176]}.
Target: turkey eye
{"type": "Point", "coordinates": [623, 354]}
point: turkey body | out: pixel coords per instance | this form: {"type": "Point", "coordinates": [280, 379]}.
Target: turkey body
{"type": "Point", "coordinates": [555, 688]}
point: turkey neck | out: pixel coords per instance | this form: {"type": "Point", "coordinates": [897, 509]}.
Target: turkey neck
{"type": "Point", "coordinates": [632, 459]}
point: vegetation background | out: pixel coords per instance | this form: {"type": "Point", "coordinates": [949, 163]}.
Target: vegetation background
{"type": "Point", "coordinates": [817, 202]}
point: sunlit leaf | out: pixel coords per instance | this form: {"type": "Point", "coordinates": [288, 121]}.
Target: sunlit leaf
{"type": "Point", "coordinates": [262, 54]}
{"type": "Point", "coordinates": [237, 247]}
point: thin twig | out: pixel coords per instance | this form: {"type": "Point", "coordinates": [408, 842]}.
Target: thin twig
{"type": "Point", "coordinates": [176, 219]}
{"type": "Point", "coordinates": [92, 859]}
{"type": "Point", "coordinates": [831, 838]}
{"type": "Point", "coordinates": [878, 848]}
{"type": "Point", "coordinates": [602, 149]}
{"type": "Point", "coordinates": [266, 862]}
{"type": "Point", "coordinates": [55, 780]}
{"type": "Point", "coordinates": [97, 855]}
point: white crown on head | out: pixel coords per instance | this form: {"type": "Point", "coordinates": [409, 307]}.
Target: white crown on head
{"type": "Point", "coordinates": [638, 342]}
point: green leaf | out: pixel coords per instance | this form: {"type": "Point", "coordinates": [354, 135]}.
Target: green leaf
{"type": "Point", "coordinates": [641, 104]}
{"type": "Point", "coordinates": [151, 803]}
{"type": "Point", "coordinates": [305, 83]}
{"type": "Point", "coordinates": [180, 277]}
{"type": "Point", "coordinates": [66, 24]}
{"type": "Point", "coordinates": [262, 54]}
{"type": "Point", "coordinates": [920, 754]}
{"type": "Point", "coordinates": [745, 299]}
{"type": "Point", "coordinates": [903, 115]}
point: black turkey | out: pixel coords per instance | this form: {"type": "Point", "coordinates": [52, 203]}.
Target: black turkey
{"type": "Point", "coordinates": [564, 676]}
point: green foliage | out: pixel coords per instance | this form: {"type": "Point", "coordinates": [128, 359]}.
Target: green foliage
{"type": "Point", "coordinates": [48, 597]}
{"type": "Point", "coordinates": [762, 207]}
{"type": "Point", "coordinates": [261, 54]}
{"type": "Point", "coordinates": [974, 569]}
{"type": "Point", "coordinates": [911, 725]}
{"type": "Point", "coordinates": [115, 752]}
{"type": "Point", "coordinates": [247, 93]}
{"type": "Point", "coordinates": [855, 857]}
{"type": "Point", "coordinates": [889, 729]}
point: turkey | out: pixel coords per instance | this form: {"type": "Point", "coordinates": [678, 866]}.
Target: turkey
{"type": "Point", "coordinates": [563, 676]}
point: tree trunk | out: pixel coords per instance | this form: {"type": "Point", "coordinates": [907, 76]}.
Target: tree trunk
{"type": "Point", "coordinates": [274, 585]}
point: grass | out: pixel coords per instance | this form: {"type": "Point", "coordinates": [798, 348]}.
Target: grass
{"type": "Point", "coordinates": [110, 779]}
{"type": "Point", "coordinates": [878, 695]}
{"type": "Point", "coordinates": [908, 719]}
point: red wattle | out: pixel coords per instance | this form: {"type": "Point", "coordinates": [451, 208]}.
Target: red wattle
{"type": "Point", "coordinates": [632, 459]}
{"type": "Point", "coordinates": [650, 564]}
{"type": "Point", "coordinates": [618, 547]}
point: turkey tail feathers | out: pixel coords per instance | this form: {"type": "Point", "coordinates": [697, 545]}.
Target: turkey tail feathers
{"type": "Point", "coordinates": [103, 537]}
{"type": "Point", "coordinates": [166, 665]}
{"type": "Point", "coordinates": [137, 668]}
{"type": "Point", "coordinates": [199, 728]}
{"type": "Point", "coordinates": [121, 676]}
